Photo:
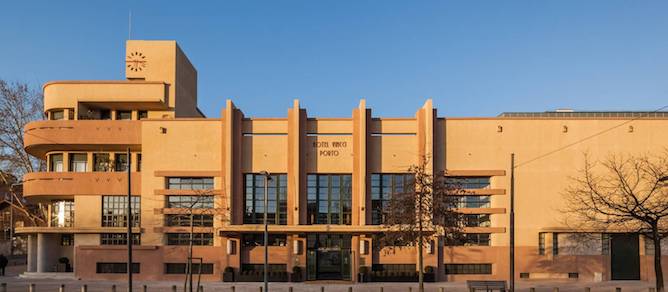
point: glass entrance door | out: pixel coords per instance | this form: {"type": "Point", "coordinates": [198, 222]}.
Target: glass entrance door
{"type": "Point", "coordinates": [328, 257]}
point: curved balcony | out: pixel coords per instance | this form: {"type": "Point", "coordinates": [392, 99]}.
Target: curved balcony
{"type": "Point", "coordinates": [144, 94]}
{"type": "Point", "coordinates": [79, 183]}
{"type": "Point", "coordinates": [44, 136]}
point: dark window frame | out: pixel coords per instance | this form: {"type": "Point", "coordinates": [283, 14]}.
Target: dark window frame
{"type": "Point", "coordinates": [114, 211]}
{"type": "Point", "coordinates": [319, 196]}
{"type": "Point", "coordinates": [119, 239]}
{"type": "Point", "coordinates": [180, 268]}
{"type": "Point", "coordinates": [381, 192]}
{"type": "Point", "coordinates": [468, 269]}
{"type": "Point", "coordinates": [189, 183]}
{"type": "Point", "coordinates": [199, 239]}
{"type": "Point", "coordinates": [277, 190]}
{"type": "Point", "coordinates": [116, 268]}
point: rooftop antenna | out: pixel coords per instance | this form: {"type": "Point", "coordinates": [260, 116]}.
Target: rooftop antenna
{"type": "Point", "coordinates": [130, 25]}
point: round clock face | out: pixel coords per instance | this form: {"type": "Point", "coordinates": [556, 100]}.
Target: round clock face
{"type": "Point", "coordinates": [136, 61]}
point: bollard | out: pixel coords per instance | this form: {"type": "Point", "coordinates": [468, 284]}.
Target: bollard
{"type": "Point", "coordinates": [113, 288]}
{"type": "Point", "coordinates": [233, 289]}
{"type": "Point", "coordinates": [200, 289]}
{"type": "Point", "coordinates": [441, 289]}
{"type": "Point", "coordinates": [62, 288]}
{"type": "Point", "coordinates": [381, 288]}
{"type": "Point", "coordinates": [555, 289]}
{"type": "Point", "coordinates": [587, 289]}
{"type": "Point", "coordinates": [290, 289]}
{"type": "Point", "coordinates": [532, 289]}
{"type": "Point", "coordinates": [32, 288]}
{"type": "Point", "coordinates": [618, 289]}
{"type": "Point", "coordinates": [350, 289]}
{"type": "Point", "coordinates": [173, 288]}
{"type": "Point", "coordinates": [410, 289]}
{"type": "Point", "coordinates": [84, 288]}
{"type": "Point", "coordinates": [322, 288]}
{"type": "Point", "coordinates": [144, 288]}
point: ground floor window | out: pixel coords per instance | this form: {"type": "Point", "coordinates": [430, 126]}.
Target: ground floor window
{"type": "Point", "coordinates": [260, 267]}
{"type": "Point", "coordinates": [119, 239]}
{"type": "Point", "coordinates": [257, 239]}
{"type": "Point", "coordinates": [116, 268]}
{"type": "Point", "coordinates": [184, 238]}
{"type": "Point", "coordinates": [398, 268]}
{"type": "Point", "coordinates": [67, 239]}
{"type": "Point", "coordinates": [180, 268]}
{"type": "Point", "coordinates": [468, 269]}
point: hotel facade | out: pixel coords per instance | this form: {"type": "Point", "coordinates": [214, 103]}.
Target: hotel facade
{"type": "Point", "coordinates": [329, 180]}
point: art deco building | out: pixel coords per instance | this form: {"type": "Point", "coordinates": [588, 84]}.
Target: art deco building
{"type": "Point", "coordinates": [329, 180]}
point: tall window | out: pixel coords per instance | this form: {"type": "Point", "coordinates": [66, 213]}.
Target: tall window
{"type": "Point", "coordinates": [383, 186]}
{"type": "Point", "coordinates": [277, 199]}
{"type": "Point", "coordinates": [541, 243]}
{"type": "Point", "coordinates": [62, 213]}
{"type": "Point", "coordinates": [120, 162]}
{"type": "Point", "coordinates": [78, 162]}
{"type": "Point", "coordinates": [56, 162]}
{"type": "Point", "coordinates": [473, 202]}
{"type": "Point", "coordinates": [468, 182]}
{"type": "Point", "coordinates": [138, 162]}
{"type": "Point", "coordinates": [115, 210]}
{"type": "Point", "coordinates": [329, 199]}
{"type": "Point", "coordinates": [101, 162]}
{"type": "Point", "coordinates": [555, 243]}
{"type": "Point", "coordinates": [477, 220]}
{"type": "Point", "coordinates": [190, 183]}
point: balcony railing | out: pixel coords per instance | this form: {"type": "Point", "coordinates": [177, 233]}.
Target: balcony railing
{"type": "Point", "coordinates": [43, 136]}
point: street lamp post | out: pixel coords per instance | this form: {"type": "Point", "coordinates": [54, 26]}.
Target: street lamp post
{"type": "Point", "coordinates": [267, 178]}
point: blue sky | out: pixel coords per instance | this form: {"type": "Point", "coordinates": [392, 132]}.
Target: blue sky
{"type": "Point", "coordinates": [474, 58]}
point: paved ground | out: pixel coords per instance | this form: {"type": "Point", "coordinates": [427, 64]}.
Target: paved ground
{"type": "Point", "coordinates": [16, 284]}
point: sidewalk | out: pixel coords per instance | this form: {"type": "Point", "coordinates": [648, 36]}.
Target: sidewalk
{"type": "Point", "coordinates": [16, 284]}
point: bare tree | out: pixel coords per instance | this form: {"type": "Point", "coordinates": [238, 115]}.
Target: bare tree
{"type": "Point", "coordinates": [426, 209]}
{"type": "Point", "coordinates": [191, 214]}
{"type": "Point", "coordinates": [626, 194]}
{"type": "Point", "coordinates": [19, 105]}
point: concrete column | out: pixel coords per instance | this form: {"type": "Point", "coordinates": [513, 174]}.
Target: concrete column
{"type": "Point", "coordinates": [41, 253]}
{"type": "Point", "coordinates": [47, 252]}
{"type": "Point", "coordinates": [296, 169]}
{"type": "Point", "coordinates": [32, 253]}
{"type": "Point", "coordinates": [361, 119]}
